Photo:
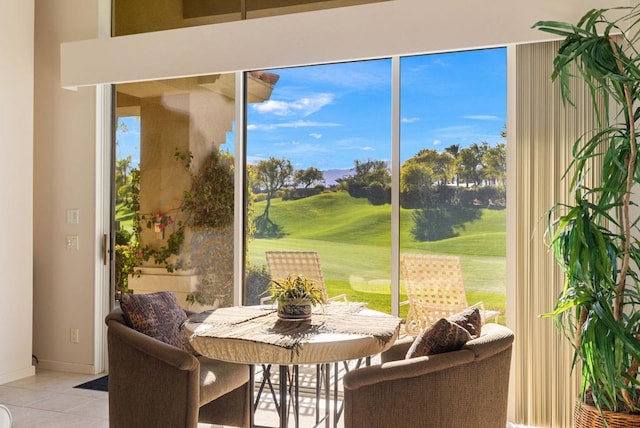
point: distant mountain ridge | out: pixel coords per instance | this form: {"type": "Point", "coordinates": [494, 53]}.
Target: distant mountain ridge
{"type": "Point", "coordinates": [331, 175]}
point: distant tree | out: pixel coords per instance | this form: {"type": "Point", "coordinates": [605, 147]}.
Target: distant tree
{"type": "Point", "coordinates": [495, 159]}
{"type": "Point", "coordinates": [307, 177]}
{"type": "Point", "coordinates": [123, 179]}
{"type": "Point", "coordinates": [271, 175]}
{"type": "Point", "coordinates": [371, 171]}
{"type": "Point", "coordinates": [503, 133]}
{"type": "Point", "coordinates": [416, 181]}
{"type": "Point", "coordinates": [371, 180]}
{"type": "Point", "coordinates": [470, 165]}
{"type": "Point", "coordinates": [453, 151]}
{"type": "Point", "coordinates": [439, 163]}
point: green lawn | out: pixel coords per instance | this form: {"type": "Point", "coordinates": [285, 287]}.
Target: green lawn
{"type": "Point", "coordinates": [125, 216]}
{"type": "Point", "coordinates": [353, 239]}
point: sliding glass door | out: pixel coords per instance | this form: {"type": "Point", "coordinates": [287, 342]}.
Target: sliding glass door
{"type": "Point", "coordinates": [316, 174]}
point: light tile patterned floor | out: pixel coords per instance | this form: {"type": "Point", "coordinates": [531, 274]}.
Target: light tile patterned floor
{"type": "Point", "coordinates": [50, 400]}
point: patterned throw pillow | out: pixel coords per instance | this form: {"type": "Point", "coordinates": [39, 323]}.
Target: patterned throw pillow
{"type": "Point", "coordinates": [447, 335]}
{"type": "Point", "coordinates": [157, 315]}
{"type": "Point", "coordinates": [442, 336]}
{"type": "Point", "coordinates": [470, 320]}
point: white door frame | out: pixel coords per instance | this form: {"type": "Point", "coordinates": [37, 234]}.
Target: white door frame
{"type": "Point", "coordinates": [103, 257]}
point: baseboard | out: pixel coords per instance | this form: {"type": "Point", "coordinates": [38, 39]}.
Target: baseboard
{"type": "Point", "coordinates": [67, 367]}
{"type": "Point", "coordinates": [17, 375]}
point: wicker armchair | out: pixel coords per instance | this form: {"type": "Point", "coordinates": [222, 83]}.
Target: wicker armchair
{"type": "Point", "coordinates": [306, 263]}
{"type": "Point", "coordinates": [435, 289]}
{"type": "Point", "coordinates": [153, 384]}
{"type": "Point", "coordinates": [465, 388]}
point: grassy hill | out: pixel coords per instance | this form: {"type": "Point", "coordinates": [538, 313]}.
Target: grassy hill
{"type": "Point", "coordinates": [353, 238]}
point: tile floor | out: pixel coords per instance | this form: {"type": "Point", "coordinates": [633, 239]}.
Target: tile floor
{"type": "Point", "coordinates": [50, 400]}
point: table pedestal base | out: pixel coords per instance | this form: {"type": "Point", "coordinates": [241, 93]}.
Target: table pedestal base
{"type": "Point", "coordinates": [287, 399]}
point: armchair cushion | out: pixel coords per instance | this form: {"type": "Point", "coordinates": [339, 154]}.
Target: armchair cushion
{"type": "Point", "coordinates": [219, 377]}
{"type": "Point", "coordinates": [447, 334]}
{"type": "Point", "coordinates": [157, 315]}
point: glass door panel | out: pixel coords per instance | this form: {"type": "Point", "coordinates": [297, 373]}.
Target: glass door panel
{"type": "Point", "coordinates": [174, 188]}
{"type": "Point", "coordinates": [453, 166]}
{"type": "Point", "coordinates": [318, 162]}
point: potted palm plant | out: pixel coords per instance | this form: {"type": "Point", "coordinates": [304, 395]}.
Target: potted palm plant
{"type": "Point", "coordinates": [295, 295]}
{"type": "Point", "coordinates": [594, 237]}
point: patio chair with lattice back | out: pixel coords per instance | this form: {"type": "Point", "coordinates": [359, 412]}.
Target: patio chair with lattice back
{"type": "Point", "coordinates": [305, 263]}
{"type": "Point", "coordinates": [435, 289]}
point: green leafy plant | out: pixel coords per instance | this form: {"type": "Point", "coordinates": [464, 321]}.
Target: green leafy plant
{"type": "Point", "coordinates": [594, 237]}
{"type": "Point", "coordinates": [209, 202]}
{"type": "Point", "coordinates": [295, 287]}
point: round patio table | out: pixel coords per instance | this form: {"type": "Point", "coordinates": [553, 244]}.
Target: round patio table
{"type": "Point", "coordinates": [253, 335]}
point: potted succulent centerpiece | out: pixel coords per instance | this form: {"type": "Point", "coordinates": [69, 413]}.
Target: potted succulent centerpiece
{"type": "Point", "coordinates": [594, 236]}
{"type": "Point", "coordinates": [295, 295]}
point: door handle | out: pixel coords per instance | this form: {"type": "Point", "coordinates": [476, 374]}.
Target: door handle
{"type": "Point", "coordinates": [105, 249]}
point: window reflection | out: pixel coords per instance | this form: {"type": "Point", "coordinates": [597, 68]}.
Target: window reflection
{"type": "Point", "coordinates": [141, 16]}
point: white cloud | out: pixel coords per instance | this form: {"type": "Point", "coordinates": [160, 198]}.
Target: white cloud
{"type": "Point", "coordinates": [299, 148]}
{"type": "Point", "coordinates": [437, 142]}
{"type": "Point", "coordinates": [410, 119]}
{"type": "Point", "coordinates": [315, 135]}
{"type": "Point", "coordinates": [481, 117]}
{"type": "Point", "coordinates": [294, 124]}
{"type": "Point", "coordinates": [303, 106]}
{"type": "Point", "coordinates": [368, 149]}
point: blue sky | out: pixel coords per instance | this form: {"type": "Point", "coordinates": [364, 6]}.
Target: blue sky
{"type": "Point", "coordinates": [330, 115]}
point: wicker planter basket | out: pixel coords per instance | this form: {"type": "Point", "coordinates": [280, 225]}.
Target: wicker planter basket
{"type": "Point", "coordinates": [586, 416]}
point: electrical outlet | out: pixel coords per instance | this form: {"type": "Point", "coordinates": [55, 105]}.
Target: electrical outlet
{"type": "Point", "coordinates": [75, 335]}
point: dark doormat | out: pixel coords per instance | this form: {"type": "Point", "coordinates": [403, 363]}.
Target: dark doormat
{"type": "Point", "coordinates": [99, 384]}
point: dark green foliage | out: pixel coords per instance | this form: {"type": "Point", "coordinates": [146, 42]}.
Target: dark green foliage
{"type": "Point", "coordinates": [491, 196]}
{"type": "Point", "coordinates": [295, 194]}
{"type": "Point", "coordinates": [371, 180]}
{"type": "Point", "coordinates": [209, 203]}
{"type": "Point", "coordinates": [123, 237]}
{"type": "Point", "coordinates": [379, 194]}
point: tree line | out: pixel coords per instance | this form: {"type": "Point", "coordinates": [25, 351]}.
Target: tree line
{"type": "Point", "coordinates": [454, 177]}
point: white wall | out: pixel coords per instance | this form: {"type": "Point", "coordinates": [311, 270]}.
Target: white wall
{"type": "Point", "coordinates": [397, 27]}
{"type": "Point", "coordinates": [16, 191]}
{"type": "Point", "coordinates": [65, 165]}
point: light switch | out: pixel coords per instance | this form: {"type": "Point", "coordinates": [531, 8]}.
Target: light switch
{"type": "Point", "coordinates": [73, 242]}
{"type": "Point", "coordinates": [73, 216]}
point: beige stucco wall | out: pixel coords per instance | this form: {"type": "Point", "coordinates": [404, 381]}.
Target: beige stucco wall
{"type": "Point", "coordinates": [65, 170]}
{"type": "Point", "coordinates": [16, 190]}
{"type": "Point", "coordinates": [398, 27]}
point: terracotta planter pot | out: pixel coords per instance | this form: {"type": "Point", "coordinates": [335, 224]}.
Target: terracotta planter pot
{"type": "Point", "coordinates": [294, 309]}
{"type": "Point", "coordinates": [586, 416]}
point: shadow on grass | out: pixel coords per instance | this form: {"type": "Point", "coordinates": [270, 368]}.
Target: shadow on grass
{"type": "Point", "coordinates": [438, 223]}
